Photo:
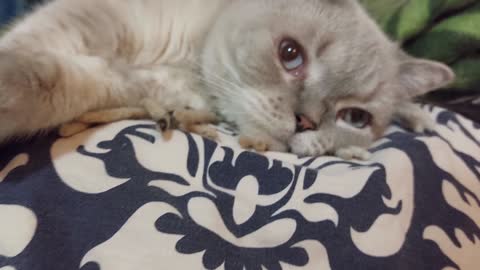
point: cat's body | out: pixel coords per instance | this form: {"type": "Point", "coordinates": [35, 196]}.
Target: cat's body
{"type": "Point", "coordinates": [90, 55]}
{"type": "Point", "coordinates": [71, 57]}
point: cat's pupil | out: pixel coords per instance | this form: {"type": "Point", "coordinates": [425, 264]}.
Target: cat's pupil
{"type": "Point", "coordinates": [357, 118]}
{"type": "Point", "coordinates": [291, 55]}
{"type": "Point", "coordinates": [290, 51]}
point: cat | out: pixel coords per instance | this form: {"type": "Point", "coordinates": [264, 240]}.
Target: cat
{"type": "Point", "coordinates": [308, 76]}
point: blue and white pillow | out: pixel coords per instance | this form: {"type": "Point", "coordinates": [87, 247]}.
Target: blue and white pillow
{"type": "Point", "coordinates": [119, 197]}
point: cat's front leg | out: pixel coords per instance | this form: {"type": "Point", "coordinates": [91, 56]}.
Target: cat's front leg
{"type": "Point", "coordinates": [353, 152]}
{"type": "Point", "coordinates": [189, 120]}
{"type": "Point", "coordinates": [261, 144]}
{"type": "Point", "coordinates": [106, 116]}
{"type": "Point", "coordinates": [40, 90]}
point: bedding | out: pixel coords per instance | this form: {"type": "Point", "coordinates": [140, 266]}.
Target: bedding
{"type": "Point", "coordinates": [119, 197]}
{"type": "Point", "coordinates": [10, 9]}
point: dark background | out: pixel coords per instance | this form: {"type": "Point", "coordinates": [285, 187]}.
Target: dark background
{"type": "Point", "coordinates": [11, 8]}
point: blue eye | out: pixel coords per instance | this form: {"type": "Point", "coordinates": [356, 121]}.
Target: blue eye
{"type": "Point", "coordinates": [291, 55]}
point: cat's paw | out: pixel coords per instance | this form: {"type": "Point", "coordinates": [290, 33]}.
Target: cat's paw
{"type": "Point", "coordinates": [196, 121]}
{"type": "Point", "coordinates": [190, 117]}
{"type": "Point", "coordinates": [310, 144]}
{"type": "Point", "coordinates": [413, 118]}
{"type": "Point", "coordinates": [421, 123]}
{"type": "Point", "coordinates": [261, 145]}
{"type": "Point", "coordinates": [193, 121]}
{"type": "Point", "coordinates": [255, 144]}
{"type": "Point", "coordinates": [353, 152]}
{"type": "Point", "coordinates": [205, 131]}
{"type": "Point", "coordinates": [188, 120]}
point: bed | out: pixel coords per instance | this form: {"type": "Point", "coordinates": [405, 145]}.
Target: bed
{"type": "Point", "coordinates": [119, 197]}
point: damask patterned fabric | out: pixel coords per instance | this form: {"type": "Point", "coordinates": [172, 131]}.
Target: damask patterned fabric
{"type": "Point", "coordinates": [119, 197]}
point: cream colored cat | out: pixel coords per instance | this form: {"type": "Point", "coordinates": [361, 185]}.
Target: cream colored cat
{"type": "Point", "coordinates": [310, 76]}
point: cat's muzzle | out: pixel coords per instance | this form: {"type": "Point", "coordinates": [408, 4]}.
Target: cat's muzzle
{"type": "Point", "coordinates": [304, 123]}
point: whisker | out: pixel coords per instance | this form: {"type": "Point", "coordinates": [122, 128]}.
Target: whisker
{"type": "Point", "coordinates": [216, 76]}
{"type": "Point", "coordinates": [254, 101]}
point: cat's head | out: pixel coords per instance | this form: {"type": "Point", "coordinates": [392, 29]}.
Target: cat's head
{"type": "Point", "coordinates": [269, 61]}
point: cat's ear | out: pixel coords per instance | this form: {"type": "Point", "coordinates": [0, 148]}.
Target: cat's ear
{"type": "Point", "coordinates": [418, 76]}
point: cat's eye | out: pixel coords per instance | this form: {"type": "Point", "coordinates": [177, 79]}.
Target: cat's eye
{"type": "Point", "coordinates": [355, 117]}
{"type": "Point", "coordinates": [291, 55]}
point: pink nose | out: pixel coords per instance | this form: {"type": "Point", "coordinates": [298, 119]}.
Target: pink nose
{"type": "Point", "coordinates": [304, 123]}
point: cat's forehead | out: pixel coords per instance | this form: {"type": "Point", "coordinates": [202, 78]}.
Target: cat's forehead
{"type": "Point", "coordinates": [337, 35]}
{"type": "Point", "coordinates": [317, 10]}
{"type": "Point", "coordinates": [310, 6]}
{"type": "Point", "coordinates": [315, 21]}
{"type": "Point", "coordinates": [330, 13]}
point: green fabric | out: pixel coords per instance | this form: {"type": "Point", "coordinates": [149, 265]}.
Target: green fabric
{"type": "Point", "coordinates": [468, 73]}
{"type": "Point", "coordinates": [442, 30]}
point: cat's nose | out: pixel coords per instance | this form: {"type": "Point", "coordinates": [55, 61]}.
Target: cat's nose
{"type": "Point", "coordinates": [304, 123]}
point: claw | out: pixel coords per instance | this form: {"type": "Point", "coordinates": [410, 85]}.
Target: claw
{"type": "Point", "coordinates": [257, 145]}
{"type": "Point", "coordinates": [167, 135]}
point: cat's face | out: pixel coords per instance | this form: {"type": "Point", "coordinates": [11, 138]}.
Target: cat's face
{"type": "Point", "coordinates": [274, 63]}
